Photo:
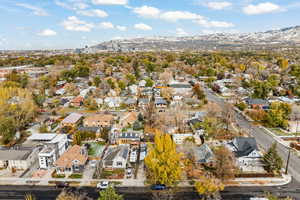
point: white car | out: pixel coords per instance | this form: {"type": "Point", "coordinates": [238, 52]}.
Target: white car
{"type": "Point", "coordinates": [93, 163]}
{"type": "Point", "coordinates": [102, 185]}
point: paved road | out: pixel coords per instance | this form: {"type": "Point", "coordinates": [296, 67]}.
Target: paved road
{"type": "Point", "coordinates": [262, 137]}
{"type": "Point", "coordinates": [143, 193]}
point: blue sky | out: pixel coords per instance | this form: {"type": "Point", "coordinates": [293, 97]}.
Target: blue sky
{"type": "Point", "coordinates": [57, 24]}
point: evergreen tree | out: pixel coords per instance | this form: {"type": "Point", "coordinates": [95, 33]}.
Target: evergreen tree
{"type": "Point", "coordinates": [109, 194]}
{"type": "Point", "coordinates": [272, 161]}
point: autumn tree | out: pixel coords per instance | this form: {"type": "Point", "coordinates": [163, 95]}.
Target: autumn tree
{"type": "Point", "coordinates": [198, 92]}
{"type": "Point", "coordinates": [109, 194]}
{"type": "Point", "coordinates": [225, 164]}
{"type": "Point", "coordinates": [17, 108]}
{"type": "Point", "coordinates": [163, 161]}
{"type": "Point", "coordinates": [272, 161]}
{"type": "Point", "coordinates": [208, 187]}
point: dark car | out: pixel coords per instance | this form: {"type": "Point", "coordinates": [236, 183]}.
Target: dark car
{"type": "Point", "coordinates": [62, 184]}
{"type": "Point", "coordinates": [158, 187]}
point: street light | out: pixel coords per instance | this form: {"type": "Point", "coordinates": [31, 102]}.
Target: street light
{"type": "Point", "coordinates": [288, 161]}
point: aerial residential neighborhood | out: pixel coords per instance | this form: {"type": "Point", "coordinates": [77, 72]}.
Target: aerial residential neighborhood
{"type": "Point", "coordinates": [79, 129]}
{"type": "Point", "coordinates": [149, 100]}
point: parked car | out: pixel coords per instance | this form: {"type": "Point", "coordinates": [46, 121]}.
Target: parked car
{"type": "Point", "coordinates": [62, 184]}
{"type": "Point", "coordinates": [93, 163]}
{"type": "Point", "coordinates": [158, 187]}
{"type": "Point", "coordinates": [102, 185]}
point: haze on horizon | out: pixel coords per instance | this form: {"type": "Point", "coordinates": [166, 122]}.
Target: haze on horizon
{"type": "Point", "coordinates": [61, 24]}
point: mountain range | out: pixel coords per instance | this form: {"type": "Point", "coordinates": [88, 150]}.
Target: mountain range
{"type": "Point", "coordinates": [282, 38]}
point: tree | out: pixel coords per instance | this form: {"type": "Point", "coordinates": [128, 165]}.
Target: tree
{"type": "Point", "coordinates": [7, 130]}
{"type": "Point", "coordinates": [208, 187]}
{"type": "Point", "coordinates": [18, 105]}
{"type": "Point", "coordinates": [163, 161]}
{"type": "Point", "coordinates": [109, 194]}
{"type": "Point", "coordinates": [272, 161]}
{"type": "Point", "coordinates": [69, 195]}
{"type": "Point", "coordinates": [149, 82]}
{"type": "Point", "coordinates": [198, 91]}
{"type": "Point", "coordinates": [29, 197]}
{"type": "Point", "coordinates": [97, 81]}
{"type": "Point", "coordinates": [225, 164]}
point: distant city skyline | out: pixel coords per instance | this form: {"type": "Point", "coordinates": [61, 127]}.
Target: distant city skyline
{"type": "Point", "coordinates": [61, 24]}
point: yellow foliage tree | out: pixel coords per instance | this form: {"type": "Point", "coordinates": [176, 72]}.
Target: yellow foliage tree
{"type": "Point", "coordinates": [17, 103]}
{"type": "Point", "coordinates": [163, 161]}
{"type": "Point", "coordinates": [208, 186]}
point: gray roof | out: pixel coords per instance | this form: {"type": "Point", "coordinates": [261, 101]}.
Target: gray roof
{"type": "Point", "coordinates": [160, 101]}
{"type": "Point", "coordinates": [129, 101]}
{"type": "Point", "coordinates": [113, 152]}
{"type": "Point", "coordinates": [256, 101]}
{"type": "Point", "coordinates": [244, 146]}
{"type": "Point", "coordinates": [144, 100]}
{"type": "Point", "coordinates": [12, 154]}
{"type": "Point", "coordinates": [178, 85]}
{"type": "Point", "coordinates": [203, 154]}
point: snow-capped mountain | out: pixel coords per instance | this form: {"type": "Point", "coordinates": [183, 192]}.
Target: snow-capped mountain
{"type": "Point", "coordinates": [287, 37]}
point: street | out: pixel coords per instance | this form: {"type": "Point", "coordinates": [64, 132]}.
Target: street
{"type": "Point", "coordinates": [144, 193]}
{"type": "Point", "coordinates": [263, 139]}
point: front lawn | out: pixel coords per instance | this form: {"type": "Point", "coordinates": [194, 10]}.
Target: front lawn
{"type": "Point", "coordinates": [75, 176]}
{"type": "Point", "coordinates": [95, 149]}
{"type": "Point", "coordinates": [112, 174]}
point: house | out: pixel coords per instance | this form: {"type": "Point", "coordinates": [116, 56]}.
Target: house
{"type": "Point", "coordinates": [257, 103]}
{"type": "Point", "coordinates": [20, 158]}
{"type": "Point", "coordinates": [246, 150]}
{"type": "Point", "coordinates": [181, 88]}
{"type": "Point", "coordinates": [77, 101]}
{"type": "Point", "coordinates": [128, 118]}
{"type": "Point", "coordinates": [160, 103]}
{"type": "Point", "coordinates": [130, 102]}
{"type": "Point", "coordinates": [72, 161]}
{"type": "Point", "coordinates": [143, 102]}
{"type": "Point", "coordinates": [72, 120]}
{"type": "Point", "coordinates": [203, 154]}
{"type": "Point", "coordinates": [113, 102]}
{"type": "Point", "coordinates": [147, 92]}
{"type": "Point", "coordinates": [142, 83]}
{"type": "Point", "coordinates": [116, 157]}
{"type": "Point", "coordinates": [128, 138]}
{"type": "Point", "coordinates": [54, 146]}
{"type": "Point", "coordinates": [98, 120]}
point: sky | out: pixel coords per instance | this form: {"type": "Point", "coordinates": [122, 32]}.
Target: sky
{"type": "Point", "coordinates": [61, 24]}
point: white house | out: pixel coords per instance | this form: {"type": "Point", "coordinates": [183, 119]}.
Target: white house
{"type": "Point", "coordinates": [246, 151]}
{"type": "Point", "coordinates": [116, 157]}
{"type": "Point", "coordinates": [54, 146]}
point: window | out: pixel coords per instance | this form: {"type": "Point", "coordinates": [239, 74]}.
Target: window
{"type": "Point", "coordinates": [119, 163]}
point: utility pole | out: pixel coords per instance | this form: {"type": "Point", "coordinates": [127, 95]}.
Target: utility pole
{"type": "Point", "coordinates": [288, 161]}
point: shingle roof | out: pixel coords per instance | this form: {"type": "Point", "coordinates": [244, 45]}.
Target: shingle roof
{"type": "Point", "coordinates": [257, 101]}
{"type": "Point", "coordinates": [244, 146]}
{"type": "Point", "coordinates": [73, 153]}
{"type": "Point", "coordinates": [203, 154]}
{"type": "Point", "coordinates": [72, 118]}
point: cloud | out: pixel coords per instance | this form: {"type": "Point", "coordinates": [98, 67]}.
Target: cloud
{"type": "Point", "coordinates": [261, 8]}
{"type": "Point", "coordinates": [47, 32]}
{"type": "Point", "coordinates": [93, 13]}
{"type": "Point", "coordinates": [106, 25]}
{"type": "Point", "coordinates": [72, 23]}
{"type": "Point", "coordinates": [143, 27]}
{"type": "Point", "coordinates": [72, 5]}
{"type": "Point", "coordinates": [121, 28]}
{"type": "Point", "coordinates": [181, 32]}
{"type": "Point", "coordinates": [147, 11]}
{"type": "Point", "coordinates": [218, 5]}
{"type": "Point", "coordinates": [214, 24]}
{"type": "Point", "coordinates": [110, 2]}
{"type": "Point", "coordinates": [179, 15]}
{"type": "Point", "coordinates": [35, 10]}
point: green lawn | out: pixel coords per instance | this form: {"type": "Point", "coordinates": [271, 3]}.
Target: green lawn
{"type": "Point", "coordinates": [75, 176]}
{"type": "Point", "coordinates": [95, 149]}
